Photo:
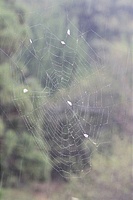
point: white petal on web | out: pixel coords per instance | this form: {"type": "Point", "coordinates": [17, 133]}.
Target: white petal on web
{"type": "Point", "coordinates": [62, 42]}
{"type": "Point", "coordinates": [69, 102]}
{"type": "Point", "coordinates": [25, 90]}
{"type": "Point", "coordinates": [31, 41]}
{"type": "Point", "coordinates": [68, 32]}
{"type": "Point", "coordinates": [85, 135]}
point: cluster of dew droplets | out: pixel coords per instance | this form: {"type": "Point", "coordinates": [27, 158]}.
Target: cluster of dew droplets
{"type": "Point", "coordinates": [85, 134]}
{"type": "Point", "coordinates": [68, 33]}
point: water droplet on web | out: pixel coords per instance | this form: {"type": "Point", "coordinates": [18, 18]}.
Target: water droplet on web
{"type": "Point", "coordinates": [68, 32]}
{"type": "Point", "coordinates": [31, 41]}
{"type": "Point", "coordinates": [62, 42]}
{"type": "Point", "coordinates": [85, 135]}
{"type": "Point", "coordinates": [25, 90]}
{"type": "Point", "coordinates": [69, 102]}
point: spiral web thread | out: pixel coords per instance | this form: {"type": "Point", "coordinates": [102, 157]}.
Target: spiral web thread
{"type": "Point", "coordinates": [73, 121]}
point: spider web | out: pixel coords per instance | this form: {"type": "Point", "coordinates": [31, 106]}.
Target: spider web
{"type": "Point", "coordinates": [72, 109]}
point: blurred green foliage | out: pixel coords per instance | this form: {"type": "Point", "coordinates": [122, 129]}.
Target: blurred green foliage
{"type": "Point", "coordinates": [12, 29]}
{"type": "Point", "coordinates": [110, 178]}
{"type": "Point", "coordinates": [20, 160]}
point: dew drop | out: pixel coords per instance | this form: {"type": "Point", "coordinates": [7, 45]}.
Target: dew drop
{"type": "Point", "coordinates": [31, 41]}
{"type": "Point", "coordinates": [69, 102]}
{"type": "Point", "coordinates": [68, 32]}
{"type": "Point", "coordinates": [62, 42]}
{"type": "Point", "coordinates": [85, 135]}
{"type": "Point", "coordinates": [25, 90]}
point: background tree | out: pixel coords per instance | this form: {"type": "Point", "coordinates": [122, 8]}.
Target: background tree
{"type": "Point", "coordinates": [17, 146]}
